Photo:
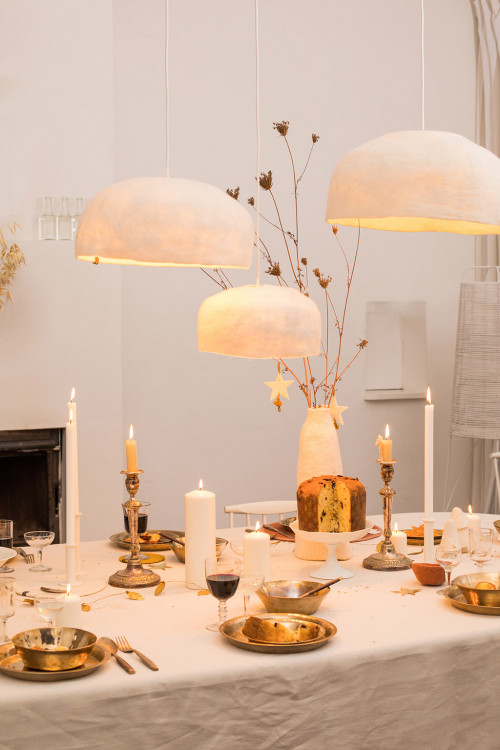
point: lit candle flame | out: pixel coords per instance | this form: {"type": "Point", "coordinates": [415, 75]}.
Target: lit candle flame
{"type": "Point", "coordinates": [68, 589]}
{"type": "Point", "coordinates": [396, 527]}
{"type": "Point", "coordinates": [131, 433]}
{"type": "Point", "coordinates": [387, 431]}
{"type": "Point", "coordinates": [72, 398]}
{"type": "Point", "coordinates": [429, 396]}
{"type": "Point", "coordinates": [70, 415]}
{"type": "Point", "coordinates": [470, 510]}
{"type": "Point", "coordinates": [257, 526]}
{"type": "Point", "coordinates": [200, 485]}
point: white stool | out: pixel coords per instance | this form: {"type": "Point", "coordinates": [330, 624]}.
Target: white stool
{"type": "Point", "coordinates": [263, 509]}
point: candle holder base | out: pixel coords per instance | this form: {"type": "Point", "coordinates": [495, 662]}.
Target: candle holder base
{"type": "Point", "coordinates": [387, 561]}
{"type": "Point", "coordinates": [134, 577]}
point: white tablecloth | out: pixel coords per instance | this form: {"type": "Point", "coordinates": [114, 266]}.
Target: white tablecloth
{"type": "Point", "coordinates": [402, 672]}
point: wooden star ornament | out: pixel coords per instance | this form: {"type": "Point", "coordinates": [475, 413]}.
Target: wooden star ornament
{"type": "Point", "coordinates": [279, 387]}
{"type": "Point", "coordinates": [403, 591]}
{"type": "Point", "coordinates": [337, 411]}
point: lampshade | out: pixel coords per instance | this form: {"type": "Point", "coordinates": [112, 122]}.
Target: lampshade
{"type": "Point", "coordinates": [259, 322]}
{"type": "Point", "coordinates": [475, 406]}
{"type": "Point", "coordinates": [417, 181]}
{"type": "Point", "coordinates": [157, 221]}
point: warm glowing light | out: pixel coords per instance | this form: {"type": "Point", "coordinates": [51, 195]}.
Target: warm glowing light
{"type": "Point", "coordinates": [68, 589]}
{"type": "Point", "coordinates": [396, 527]}
{"type": "Point", "coordinates": [429, 396]}
{"type": "Point", "coordinates": [257, 526]}
{"type": "Point", "coordinates": [470, 510]}
{"type": "Point", "coordinates": [387, 432]}
{"type": "Point", "coordinates": [71, 415]}
{"type": "Point", "coordinates": [72, 394]}
{"type": "Point", "coordinates": [131, 433]}
{"type": "Point", "coordinates": [200, 485]}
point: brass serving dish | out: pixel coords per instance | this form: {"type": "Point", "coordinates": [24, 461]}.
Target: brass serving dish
{"type": "Point", "coordinates": [119, 539]}
{"type": "Point", "coordinates": [482, 597]}
{"type": "Point", "coordinates": [54, 649]}
{"type": "Point", "coordinates": [179, 550]}
{"type": "Point", "coordinates": [231, 630]}
{"type": "Point", "coordinates": [12, 665]}
{"type": "Point", "coordinates": [282, 596]}
{"type": "Point", "coordinates": [455, 596]}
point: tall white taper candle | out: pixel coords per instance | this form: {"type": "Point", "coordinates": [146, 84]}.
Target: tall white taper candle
{"type": "Point", "coordinates": [429, 481]}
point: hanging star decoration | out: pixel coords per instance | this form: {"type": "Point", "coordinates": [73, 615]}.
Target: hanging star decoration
{"type": "Point", "coordinates": [404, 591]}
{"type": "Point", "coordinates": [337, 412]}
{"type": "Point", "coordinates": [279, 387]}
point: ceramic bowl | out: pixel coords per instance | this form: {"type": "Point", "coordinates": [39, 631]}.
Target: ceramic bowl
{"type": "Point", "coordinates": [281, 596]}
{"type": "Point", "coordinates": [180, 551]}
{"type": "Point", "coordinates": [485, 597]}
{"type": "Point", "coordinates": [54, 649]}
{"type": "Point", "coordinates": [429, 574]}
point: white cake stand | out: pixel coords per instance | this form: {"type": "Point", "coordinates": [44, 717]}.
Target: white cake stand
{"type": "Point", "coordinates": [332, 568]}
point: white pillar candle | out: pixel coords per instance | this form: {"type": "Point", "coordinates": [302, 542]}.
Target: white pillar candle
{"type": "Point", "coordinates": [384, 446]}
{"type": "Point", "coordinates": [72, 411]}
{"type": "Point", "coordinates": [199, 508]}
{"type": "Point", "coordinates": [70, 502]}
{"type": "Point", "coordinates": [131, 451]}
{"type": "Point", "coordinates": [71, 614]}
{"type": "Point", "coordinates": [429, 481]}
{"type": "Point", "coordinates": [473, 520]}
{"type": "Point", "coordinates": [257, 555]}
{"type": "Point", "coordinates": [399, 540]}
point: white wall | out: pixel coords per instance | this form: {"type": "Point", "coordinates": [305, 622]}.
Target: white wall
{"type": "Point", "coordinates": [346, 71]}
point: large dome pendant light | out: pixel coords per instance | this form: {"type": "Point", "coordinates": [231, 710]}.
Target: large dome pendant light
{"type": "Point", "coordinates": [164, 221]}
{"type": "Point", "coordinates": [417, 181]}
{"type": "Point", "coordinates": [259, 321]}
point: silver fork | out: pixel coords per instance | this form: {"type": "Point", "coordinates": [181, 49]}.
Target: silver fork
{"type": "Point", "coordinates": [29, 559]}
{"type": "Point", "coordinates": [125, 646]}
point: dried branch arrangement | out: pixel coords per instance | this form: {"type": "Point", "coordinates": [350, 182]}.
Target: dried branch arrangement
{"type": "Point", "coordinates": [11, 257]}
{"type": "Point", "coordinates": [318, 390]}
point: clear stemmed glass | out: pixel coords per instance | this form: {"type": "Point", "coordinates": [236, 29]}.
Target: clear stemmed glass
{"type": "Point", "coordinates": [237, 548]}
{"type": "Point", "coordinates": [222, 581]}
{"type": "Point", "coordinates": [480, 544]}
{"type": "Point", "coordinates": [7, 592]}
{"type": "Point", "coordinates": [49, 607]}
{"type": "Point", "coordinates": [6, 540]}
{"type": "Point", "coordinates": [448, 555]}
{"type": "Point", "coordinates": [249, 584]}
{"type": "Point", "coordinates": [39, 539]}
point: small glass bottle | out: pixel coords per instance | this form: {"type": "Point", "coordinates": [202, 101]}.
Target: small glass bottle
{"type": "Point", "coordinates": [64, 222]}
{"type": "Point", "coordinates": [48, 221]}
{"type": "Point", "coordinates": [76, 216]}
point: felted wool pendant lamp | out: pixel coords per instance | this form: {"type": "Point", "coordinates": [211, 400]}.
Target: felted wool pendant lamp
{"type": "Point", "coordinates": [259, 321]}
{"type": "Point", "coordinates": [164, 221]}
{"type": "Point", "coordinates": [417, 181]}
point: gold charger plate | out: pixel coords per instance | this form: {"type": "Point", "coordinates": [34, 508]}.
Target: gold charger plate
{"type": "Point", "coordinates": [415, 541]}
{"type": "Point", "coordinates": [119, 539]}
{"type": "Point", "coordinates": [12, 665]}
{"type": "Point", "coordinates": [152, 559]}
{"type": "Point", "coordinates": [455, 596]}
{"type": "Point", "coordinates": [231, 630]}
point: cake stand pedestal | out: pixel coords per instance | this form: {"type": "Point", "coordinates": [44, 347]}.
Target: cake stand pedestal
{"type": "Point", "coordinates": [331, 568]}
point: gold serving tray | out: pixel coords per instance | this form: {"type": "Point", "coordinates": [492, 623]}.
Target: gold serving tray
{"type": "Point", "coordinates": [455, 596]}
{"type": "Point", "coordinates": [119, 539]}
{"type": "Point", "coordinates": [232, 631]}
{"type": "Point", "coordinates": [418, 541]}
{"type": "Point", "coordinates": [12, 665]}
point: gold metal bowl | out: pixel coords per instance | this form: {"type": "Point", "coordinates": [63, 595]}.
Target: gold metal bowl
{"type": "Point", "coordinates": [282, 596]}
{"type": "Point", "coordinates": [180, 551]}
{"type": "Point", "coordinates": [483, 597]}
{"type": "Point", "coordinates": [37, 648]}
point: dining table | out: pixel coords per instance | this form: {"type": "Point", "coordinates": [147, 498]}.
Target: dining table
{"type": "Point", "coordinates": [406, 669]}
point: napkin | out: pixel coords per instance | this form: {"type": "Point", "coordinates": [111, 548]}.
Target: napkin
{"type": "Point", "coordinates": [450, 535]}
{"type": "Point", "coordinates": [462, 524]}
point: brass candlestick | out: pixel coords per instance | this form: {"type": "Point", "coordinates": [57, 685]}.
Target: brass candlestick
{"type": "Point", "coordinates": [134, 576]}
{"type": "Point", "coordinates": [387, 558]}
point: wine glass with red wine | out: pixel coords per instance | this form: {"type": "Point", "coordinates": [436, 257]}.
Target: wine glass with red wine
{"type": "Point", "coordinates": [142, 522]}
{"type": "Point", "coordinates": [222, 581]}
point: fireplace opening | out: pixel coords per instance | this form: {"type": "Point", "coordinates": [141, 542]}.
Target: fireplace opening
{"type": "Point", "coordinates": [30, 481]}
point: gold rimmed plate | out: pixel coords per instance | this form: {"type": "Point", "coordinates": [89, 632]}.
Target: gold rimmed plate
{"type": "Point", "coordinates": [419, 540]}
{"type": "Point", "coordinates": [455, 596]}
{"type": "Point", "coordinates": [12, 665]}
{"type": "Point", "coordinates": [119, 539]}
{"type": "Point", "coordinates": [232, 630]}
